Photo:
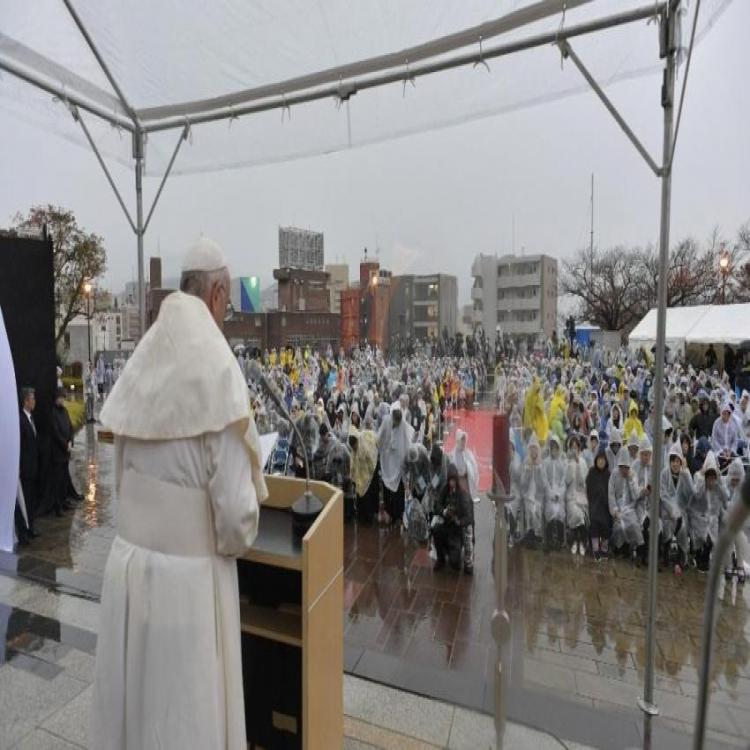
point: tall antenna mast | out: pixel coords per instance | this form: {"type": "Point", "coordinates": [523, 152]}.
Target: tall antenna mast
{"type": "Point", "coordinates": [591, 246]}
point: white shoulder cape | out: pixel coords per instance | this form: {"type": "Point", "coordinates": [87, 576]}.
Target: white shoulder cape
{"type": "Point", "coordinates": [183, 381]}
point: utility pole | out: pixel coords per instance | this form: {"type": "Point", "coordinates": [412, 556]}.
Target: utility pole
{"type": "Point", "coordinates": [591, 242]}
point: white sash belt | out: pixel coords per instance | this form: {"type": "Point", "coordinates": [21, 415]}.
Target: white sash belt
{"type": "Point", "coordinates": [164, 517]}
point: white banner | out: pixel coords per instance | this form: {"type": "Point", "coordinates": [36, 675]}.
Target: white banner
{"type": "Point", "coordinates": [9, 441]}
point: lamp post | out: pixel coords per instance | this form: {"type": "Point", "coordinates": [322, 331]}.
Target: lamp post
{"type": "Point", "coordinates": [87, 291]}
{"type": "Point", "coordinates": [724, 268]}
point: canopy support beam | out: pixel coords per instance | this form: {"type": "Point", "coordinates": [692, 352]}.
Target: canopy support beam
{"type": "Point", "coordinates": [181, 140]}
{"type": "Point", "coordinates": [669, 42]}
{"type": "Point", "coordinates": [345, 89]}
{"type": "Point", "coordinates": [63, 95]}
{"type": "Point", "coordinates": [84, 32]}
{"type": "Point", "coordinates": [139, 230]}
{"type": "Point", "coordinates": [77, 117]}
{"type": "Point", "coordinates": [139, 226]}
{"type": "Point", "coordinates": [567, 52]}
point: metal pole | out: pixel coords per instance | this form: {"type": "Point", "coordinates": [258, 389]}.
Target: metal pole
{"type": "Point", "coordinates": [183, 137]}
{"type": "Point", "coordinates": [138, 156]}
{"type": "Point", "coordinates": [567, 51]}
{"type": "Point", "coordinates": [77, 117]}
{"type": "Point", "coordinates": [591, 243]}
{"type": "Point", "coordinates": [84, 32]}
{"type": "Point", "coordinates": [88, 322]}
{"type": "Point", "coordinates": [669, 49]}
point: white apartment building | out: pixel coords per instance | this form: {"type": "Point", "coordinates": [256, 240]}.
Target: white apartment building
{"type": "Point", "coordinates": [517, 293]}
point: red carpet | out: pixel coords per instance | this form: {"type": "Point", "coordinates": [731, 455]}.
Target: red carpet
{"type": "Point", "coordinates": [477, 424]}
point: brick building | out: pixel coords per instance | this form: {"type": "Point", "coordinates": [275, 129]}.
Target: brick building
{"type": "Point", "coordinates": [302, 290]}
{"type": "Point", "coordinates": [277, 329]}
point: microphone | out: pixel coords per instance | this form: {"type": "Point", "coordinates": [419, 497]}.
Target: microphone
{"type": "Point", "coordinates": [738, 514]}
{"type": "Point", "coordinates": [307, 508]}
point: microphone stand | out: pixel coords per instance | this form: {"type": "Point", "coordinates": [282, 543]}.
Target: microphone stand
{"type": "Point", "coordinates": [308, 504]}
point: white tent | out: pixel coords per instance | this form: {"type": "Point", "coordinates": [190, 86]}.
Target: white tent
{"type": "Point", "coordinates": [680, 321]}
{"type": "Point", "coordinates": [722, 324]}
{"type": "Point", "coordinates": [698, 325]}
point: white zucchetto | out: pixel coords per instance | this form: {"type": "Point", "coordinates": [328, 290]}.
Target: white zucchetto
{"type": "Point", "coordinates": [204, 255]}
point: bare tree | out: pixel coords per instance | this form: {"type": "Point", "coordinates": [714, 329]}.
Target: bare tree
{"type": "Point", "coordinates": [616, 288]}
{"type": "Point", "coordinates": [607, 285]}
{"type": "Point", "coordinates": [78, 256]}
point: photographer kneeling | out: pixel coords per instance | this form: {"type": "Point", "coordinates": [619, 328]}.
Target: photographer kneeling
{"type": "Point", "coordinates": [452, 521]}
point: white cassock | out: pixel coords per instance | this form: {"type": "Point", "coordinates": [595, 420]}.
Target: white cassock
{"type": "Point", "coordinates": [188, 477]}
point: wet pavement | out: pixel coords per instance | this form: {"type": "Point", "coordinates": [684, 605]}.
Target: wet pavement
{"type": "Point", "coordinates": [574, 666]}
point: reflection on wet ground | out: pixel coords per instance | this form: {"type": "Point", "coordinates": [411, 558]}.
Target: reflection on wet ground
{"type": "Point", "coordinates": [574, 666]}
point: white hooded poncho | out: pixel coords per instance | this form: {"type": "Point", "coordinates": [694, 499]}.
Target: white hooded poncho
{"type": "Point", "coordinates": [393, 445]}
{"type": "Point", "coordinates": [466, 464]}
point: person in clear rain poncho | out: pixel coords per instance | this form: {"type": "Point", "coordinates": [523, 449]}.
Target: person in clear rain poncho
{"type": "Point", "coordinates": [709, 500]}
{"type": "Point", "coordinates": [575, 497]}
{"type": "Point", "coordinates": [533, 491]}
{"type": "Point", "coordinates": [394, 439]}
{"type": "Point", "coordinates": [613, 449]}
{"type": "Point", "coordinates": [466, 465]}
{"type": "Point", "coordinates": [676, 493]}
{"type": "Point", "coordinates": [555, 472]}
{"type": "Point", "coordinates": [513, 508]}
{"type": "Point", "coordinates": [735, 477]}
{"type": "Point", "coordinates": [416, 471]}
{"type": "Point", "coordinates": [623, 501]}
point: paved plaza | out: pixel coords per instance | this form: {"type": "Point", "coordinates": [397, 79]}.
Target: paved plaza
{"type": "Point", "coordinates": [573, 669]}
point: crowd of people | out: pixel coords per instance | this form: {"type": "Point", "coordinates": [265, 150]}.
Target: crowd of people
{"type": "Point", "coordinates": [582, 457]}
{"type": "Point", "coordinates": [582, 434]}
{"type": "Point", "coordinates": [375, 429]}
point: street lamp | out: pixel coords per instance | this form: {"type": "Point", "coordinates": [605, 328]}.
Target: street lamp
{"type": "Point", "coordinates": [724, 268]}
{"type": "Point", "coordinates": [87, 287]}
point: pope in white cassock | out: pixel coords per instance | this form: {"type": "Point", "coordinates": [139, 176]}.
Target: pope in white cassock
{"type": "Point", "coordinates": [189, 482]}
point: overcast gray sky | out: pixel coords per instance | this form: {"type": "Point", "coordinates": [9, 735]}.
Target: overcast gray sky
{"type": "Point", "coordinates": [432, 201]}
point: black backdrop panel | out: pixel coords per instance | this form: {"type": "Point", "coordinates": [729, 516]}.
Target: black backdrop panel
{"type": "Point", "coordinates": [28, 303]}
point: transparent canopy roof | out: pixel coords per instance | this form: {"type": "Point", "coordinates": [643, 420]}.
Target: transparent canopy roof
{"type": "Point", "coordinates": [178, 63]}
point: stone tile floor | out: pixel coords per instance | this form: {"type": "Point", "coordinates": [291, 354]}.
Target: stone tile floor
{"type": "Point", "coordinates": [574, 666]}
{"type": "Point", "coordinates": [47, 669]}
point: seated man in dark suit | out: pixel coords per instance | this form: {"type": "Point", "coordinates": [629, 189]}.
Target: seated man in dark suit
{"type": "Point", "coordinates": [62, 442]}
{"type": "Point", "coordinates": [28, 467]}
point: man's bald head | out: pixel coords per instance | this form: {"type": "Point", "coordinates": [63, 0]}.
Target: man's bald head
{"type": "Point", "coordinates": [205, 275]}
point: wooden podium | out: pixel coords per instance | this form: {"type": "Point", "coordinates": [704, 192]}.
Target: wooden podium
{"type": "Point", "coordinates": [291, 609]}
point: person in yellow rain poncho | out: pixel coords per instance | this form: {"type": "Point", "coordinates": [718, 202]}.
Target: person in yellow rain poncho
{"type": "Point", "coordinates": [294, 375]}
{"type": "Point", "coordinates": [534, 416]}
{"type": "Point", "coordinates": [556, 414]}
{"type": "Point", "coordinates": [557, 405]}
{"type": "Point", "coordinates": [633, 423]}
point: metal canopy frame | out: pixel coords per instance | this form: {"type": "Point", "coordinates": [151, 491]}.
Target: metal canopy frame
{"type": "Point", "coordinates": [341, 84]}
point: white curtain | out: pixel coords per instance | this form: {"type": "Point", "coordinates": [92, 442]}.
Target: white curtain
{"type": "Point", "coordinates": [9, 441]}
